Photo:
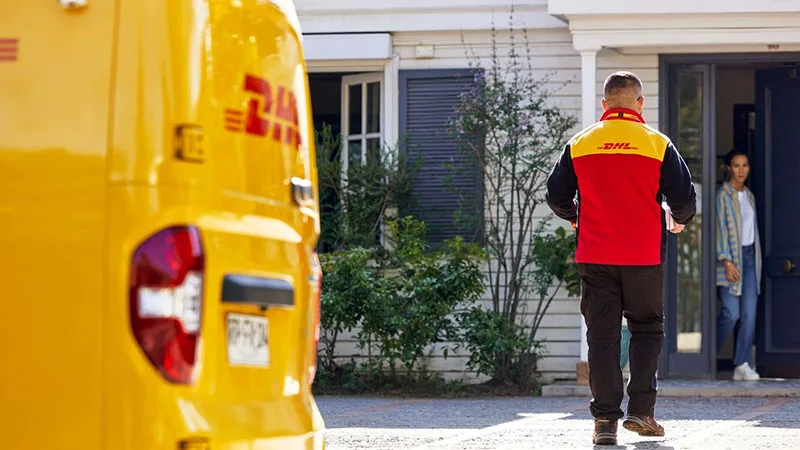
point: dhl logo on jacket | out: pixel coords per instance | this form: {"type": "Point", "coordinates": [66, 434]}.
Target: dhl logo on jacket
{"type": "Point", "coordinates": [620, 168]}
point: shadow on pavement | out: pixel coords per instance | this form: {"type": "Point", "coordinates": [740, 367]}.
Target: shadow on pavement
{"type": "Point", "coordinates": [536, 422]}
{"type": "Point", "coordinates": [345, 412]}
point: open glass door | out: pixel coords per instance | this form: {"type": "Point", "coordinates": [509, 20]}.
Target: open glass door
{"type": "Point", "coordinates": [690, 282]}
{"type": "Point", "coordinates": [362, 116]}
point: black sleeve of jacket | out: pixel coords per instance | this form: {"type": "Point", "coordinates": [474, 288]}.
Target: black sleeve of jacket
{"type": "Point", "coordinates": [562, 186]}
{"type": "Point", "coordinates": [677, 187]}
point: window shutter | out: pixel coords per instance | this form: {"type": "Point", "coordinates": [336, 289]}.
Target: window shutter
{"type": "Point", "coordinates": [448, 181]}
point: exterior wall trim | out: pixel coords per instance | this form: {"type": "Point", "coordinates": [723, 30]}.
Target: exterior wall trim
{"type": "Point", "coordinates": [683, 21]}
{"type": "Point", "coordinates": [593, 7]}
{"type": "Point", "coordinates": [730, 58]}
{"type": "Point", "coordinates": [666, 37]}
{"type": "Point", "coordinates": [661, 33]}
{"type": "Point", "coordinates": [402, 19]}
{"type": "Point", "coordinates": [334, 47]}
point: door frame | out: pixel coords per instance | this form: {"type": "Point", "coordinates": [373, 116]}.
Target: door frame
{"type": "Point", "coordinates": [690, 365]}
{"type": "Point", "coordinates": [675, 364]}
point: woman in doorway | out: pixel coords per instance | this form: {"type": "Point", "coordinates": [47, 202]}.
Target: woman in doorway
{"type": "Point", "coordinates": [738, 263]}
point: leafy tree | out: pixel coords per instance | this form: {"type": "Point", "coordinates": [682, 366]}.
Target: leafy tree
{"type": "Point", "coordinates": [514, 131]}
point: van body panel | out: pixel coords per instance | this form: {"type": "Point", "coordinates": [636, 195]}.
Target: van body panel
{"type": "Point", "coordinates": [55, 84]}
{"type": "Point", "coordinates": [189, 112]}
{"type": "Point", "coordinates": [233, 73]}
{"type": "Point", "coordinates": [228, 404]}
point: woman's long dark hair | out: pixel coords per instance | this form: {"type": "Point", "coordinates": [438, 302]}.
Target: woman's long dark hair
{"type": "Point", "coordinates": [732, 153]}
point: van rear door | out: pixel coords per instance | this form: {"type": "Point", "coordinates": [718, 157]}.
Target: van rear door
{"type": "Point", "coordinates": [263, 174]}
{"type": "Point", "coordinates": [262, 164]}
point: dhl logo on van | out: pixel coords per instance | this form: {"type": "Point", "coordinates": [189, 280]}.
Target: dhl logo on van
{"type": "Point", "coordinates": [271, 112]}
{"type": "Point", "coordinates": [9, 49]}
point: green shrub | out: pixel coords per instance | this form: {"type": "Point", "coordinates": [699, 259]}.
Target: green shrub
{"type": "Point", "coordinates": [405, 299]}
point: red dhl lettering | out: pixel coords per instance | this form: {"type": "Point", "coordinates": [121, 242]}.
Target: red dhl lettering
{"type": "Point", "coordinates": [271, 112]}
{"type": "Point", "coordinates": [616, 146]}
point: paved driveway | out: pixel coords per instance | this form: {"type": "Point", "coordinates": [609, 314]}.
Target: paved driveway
{"type": "Point", "coordinates": [553, 423]}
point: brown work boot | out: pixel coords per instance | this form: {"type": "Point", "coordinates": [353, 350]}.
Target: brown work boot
{"type": "Point", "coordinates": [605, 432]}
{"type": "Point", "coordinates": [644, 425]}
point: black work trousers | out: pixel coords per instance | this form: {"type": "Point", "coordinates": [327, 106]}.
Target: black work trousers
{"type": "Point", "coordinates": [608, 293]}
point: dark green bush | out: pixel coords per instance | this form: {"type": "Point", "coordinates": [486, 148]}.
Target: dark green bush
{"type": "Point", "coordinates": [404, 300]}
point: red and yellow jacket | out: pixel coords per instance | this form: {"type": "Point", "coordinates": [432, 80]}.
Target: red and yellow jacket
{"type": "Point", "coordinates": [621, 168]}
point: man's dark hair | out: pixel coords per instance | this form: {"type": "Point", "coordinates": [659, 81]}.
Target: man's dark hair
{"type": "Point", "coordinates": [622, 88]}
{"type": "Point", "coordinates": [734, 152]}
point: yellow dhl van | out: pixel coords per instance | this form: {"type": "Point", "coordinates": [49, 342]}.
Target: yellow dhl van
{"type": "Point", "coordinates": [159, 287]}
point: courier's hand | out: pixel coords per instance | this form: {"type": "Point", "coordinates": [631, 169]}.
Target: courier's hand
{"type": "Point", "coordinates": [677, 228]}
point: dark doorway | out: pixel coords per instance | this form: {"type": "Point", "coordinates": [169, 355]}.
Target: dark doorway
{"type": "Point", "coordinates": [744, 137]}
{"type": "Point", "coordinates": [326, 100]}
{"type": "Point", "coordinates": [710, 104]}
{"type": "Point", "coordinates": [744, 127]}
{"type": "Point", "coordinates": [326, 107]}
{"type": "Point", "coordinates": [735, 128]}
{"type": "Point", "coordinates": [347, 111]}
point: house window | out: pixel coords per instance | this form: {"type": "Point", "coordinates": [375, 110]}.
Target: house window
{"type": "Point", "coordinates": [352, 106]}
{"type": "Point", "coordinates": [448, 190]}
{"type": "Point", "coordinates": [362, 116]}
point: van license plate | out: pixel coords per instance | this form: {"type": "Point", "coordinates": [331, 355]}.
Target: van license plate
{"type": "Point", "coordinates": [248, 340]}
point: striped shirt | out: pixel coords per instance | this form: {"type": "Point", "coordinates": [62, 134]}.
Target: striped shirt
{"type": "Point", "coordinates": [729, 236]}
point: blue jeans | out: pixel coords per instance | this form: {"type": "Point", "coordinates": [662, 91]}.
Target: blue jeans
{"type": "Point", "coordinates": [740, 308]}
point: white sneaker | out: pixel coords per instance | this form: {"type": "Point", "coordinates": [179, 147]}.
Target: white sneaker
{"type": "Point", "coordinates": [745, 373]}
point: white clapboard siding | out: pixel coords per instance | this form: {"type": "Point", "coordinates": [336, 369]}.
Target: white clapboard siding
{"type": "Point", "coordinates": [552, 56]}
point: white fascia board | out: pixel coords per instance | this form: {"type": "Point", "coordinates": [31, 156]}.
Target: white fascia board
{"type": "Point", "coordinates": [337, 47]}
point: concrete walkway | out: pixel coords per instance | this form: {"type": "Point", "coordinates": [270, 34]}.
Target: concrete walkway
{"type": "Point", "coordinates": [695, 388]}
{"type": "Point", "coordinates": [525, 423]}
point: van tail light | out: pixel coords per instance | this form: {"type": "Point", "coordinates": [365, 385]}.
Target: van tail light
{"type": "Point", "coordinates": [316, 299]}
{"type": "Point", "coordinates": [166, 300]}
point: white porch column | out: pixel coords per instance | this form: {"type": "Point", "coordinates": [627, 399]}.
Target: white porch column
{"type": "Point", "coordinates": [588, 87]}
{"type": "Point", "coordinates": [391, 87]}
{"type": "Point", "coordinates": [588, 117]}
